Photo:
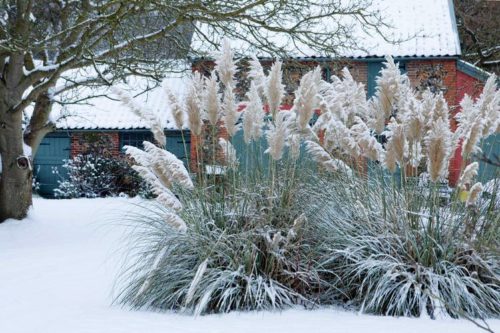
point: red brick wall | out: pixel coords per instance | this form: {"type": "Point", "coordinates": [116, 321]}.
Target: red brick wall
{"type": "Point", "coordinates": [417, 69]}
{"type": "Point", "coordinates": [471, 86]}
{"type": "Point", "coordinates": [453, 83]}
{"type": "Point", "coordinates": [107, 142]}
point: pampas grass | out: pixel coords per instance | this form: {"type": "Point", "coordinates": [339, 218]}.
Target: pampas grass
{"type": "Point", "coordinates": [212, 100]}
{"type": "Point", "coordinates": [306, 100]}
{"type": "Point", "coordinates": [194, 103]}
{"type": "Point", "coordinates": [231, 115]}
{"type": "Point", "coordinates": [277, 134]}
{"type": "Point", "coordinates": [176, 108]}
{"type": "Point", "coordinates": [438, 150]}
{"type": "Point", "coordinates": [275, 89]}
{"type": "Point", "coordinates": [253, 116]}
{"type": "Point", "coordinates": [385, 258]}
{"type": "Point", "coordinates": [241, 253]}
{"type": "Point", "coordinates": [289, 233]}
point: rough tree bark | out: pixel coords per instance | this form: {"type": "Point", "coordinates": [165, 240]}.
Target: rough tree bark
{"type": "Point", "coordinates": [15, 182]}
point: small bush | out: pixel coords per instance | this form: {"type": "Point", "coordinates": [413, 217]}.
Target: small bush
{"type": "Point", "coordinates": [93, 176]}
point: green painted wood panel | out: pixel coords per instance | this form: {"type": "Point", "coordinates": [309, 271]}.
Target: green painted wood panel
{"type": "Point", "coordinates": [179, 144]}
{"type": "Point", "coordinates": [491, 149]}
{"type": "Point", "coordinates": [51, 154]}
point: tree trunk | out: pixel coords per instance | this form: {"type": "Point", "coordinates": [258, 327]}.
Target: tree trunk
{"type": "Point", "coordinates": [16, 176]}
{"type": "Point", "coordinates": [39, 124]}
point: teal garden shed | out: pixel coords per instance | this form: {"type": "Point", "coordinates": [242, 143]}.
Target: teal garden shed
{"type": "Point", "coordinates": [107, 123]}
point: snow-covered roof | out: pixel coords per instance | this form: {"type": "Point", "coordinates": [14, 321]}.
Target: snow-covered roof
{"type": "Point", "coordinates": [106, 112]}
{"type": "Point", "coordinates": [423, 28]}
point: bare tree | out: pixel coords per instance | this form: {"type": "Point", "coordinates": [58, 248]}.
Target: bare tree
{"type": "Point", "coordinates": [479, 28]}
{"type": "Point", "coordinates": [44, 41]}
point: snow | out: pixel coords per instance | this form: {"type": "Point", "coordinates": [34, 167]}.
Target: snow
{"type": "Point", "coordinates": [419, 28]}
{"type": "Point", "coordinates": [87, 107]}
{"type": "Point", "coordinates": [106, 112]}
{"type": "Point", "coordinates": [58, 267]}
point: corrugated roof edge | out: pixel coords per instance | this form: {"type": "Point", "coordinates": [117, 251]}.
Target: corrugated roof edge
{"type": "Point", "coordinates": [451, 6]}
{"type": "Point", "coordinates": [474, 71]}
{"type": "Point", "coordinates": [60, 130]}
{"type": "Point", "coordinates": [362, 59]}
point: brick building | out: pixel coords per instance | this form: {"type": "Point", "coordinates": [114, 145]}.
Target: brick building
{"type": "Point", "coordinates": [104, 126]}
{"type": "Point", "coordinates": [428, 52]}
{"type": "Point", "coordinates": [430, 58]}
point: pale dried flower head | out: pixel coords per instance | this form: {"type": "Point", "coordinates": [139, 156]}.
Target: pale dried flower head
{"type": "Point", "coordinates": [147, 115]}
{"type": "Point", "coordinates": [475, 191]}
{"type": "Point", "coordinates": [193, 102]}
{"type": "Point", "coordinates": [253, 116]}
{"type": "Point", "coordinates": [368, 146]}
{"type": "Point", "coordinates": [212, 100]}
{"type": "Point", "coordinates": [389, 86]}
{"type": "Point", "coordinates": [277, 134]}
{"type": "Point", "coordinates": [376, 116]}
{"type": "Point", "coordinates": [396, 147]}
{"type": "Point", "coordinates": [324, 159]}
{"type": "Point", "coordinates": [175, 221]}
{"type": "Point", "coordinates": [306, 100]}
{"type": "Point", "coordinates": [439, 149]}
{"type": "Point", "coordinates": [224, 64]}
{"type": "Point", "coordinates": [176, 108]}
{"type": "Point", "coordinates": [256, 74]}
{"type": "Point", "coordinates": [469, 173]}
{"type": "Point", "coordinates": [229, 152]}
{"type": "Point", "coordinates": [174, 168]}
{"type": "Point", "coordinates": [230, 111]}
{"type": "Point", "coordinates": [275, 89]}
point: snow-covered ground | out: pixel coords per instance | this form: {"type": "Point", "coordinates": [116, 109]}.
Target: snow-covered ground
{"type": "Point", "coordinates": [58, 266]}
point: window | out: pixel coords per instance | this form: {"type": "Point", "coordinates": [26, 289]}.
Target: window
{"type": "Point", "coordinates": [135, 139]}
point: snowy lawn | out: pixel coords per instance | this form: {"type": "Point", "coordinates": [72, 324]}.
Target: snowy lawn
{"type": "Point", "coordinates": [57, 270]}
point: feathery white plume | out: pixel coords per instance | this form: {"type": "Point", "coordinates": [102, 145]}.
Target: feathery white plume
{"type": "Point", "coordinates": [439, 149]}
{"type": "Point", "coordinates": [306, 99]}
{"type": "Point", "coordinates": [175, 221]}
{"type": "Point", "coordinates": [277, 134]}
{"type": "Point", "coordinates": [224, 64]}
{"type": "Point", "coordinates": [480, 119]}
{"type": "Point", "coordinates": [320, 155]}
{"type": "Point", "coordinates": [256, 74]}
{"type": "Point", "coordinates": [368, 146]}
{"type": "Point", "coordinates": [176, 108]}
{"type": "Point", "coordinates": [173, 167]}
{"type": "Point", "coordinates": [275, 89]}
{"type": "Point", "coordinates": [396, 147]}
{"type": "Point", "coordinates": [212, 101]}
{"type": "Point", "coordinates": [475, 191]}
{"type": "Point", "coordinates": [469, 173]}
{"type": "Point", "coordinates": [147, 115]}
{"type": "Point", "coordinates": [229, 153]}
{"type": "Point", "coordinates": [230, 111]}
{"type": "Point", "coordinates": [253, 116]}
{"type": "Point", "coordinates": [194, 103]}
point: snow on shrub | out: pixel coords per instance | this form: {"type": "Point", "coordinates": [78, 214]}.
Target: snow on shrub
{"type": "Point", "coordinates": [93, 176]}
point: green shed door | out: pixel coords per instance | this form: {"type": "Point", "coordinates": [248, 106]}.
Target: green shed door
{"type": "Point", "coordinates": [491, 150]}
{"type": "Point", "coordinates": [175, 144]}
{"type": "Point", "coordinates": [51, 155]}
